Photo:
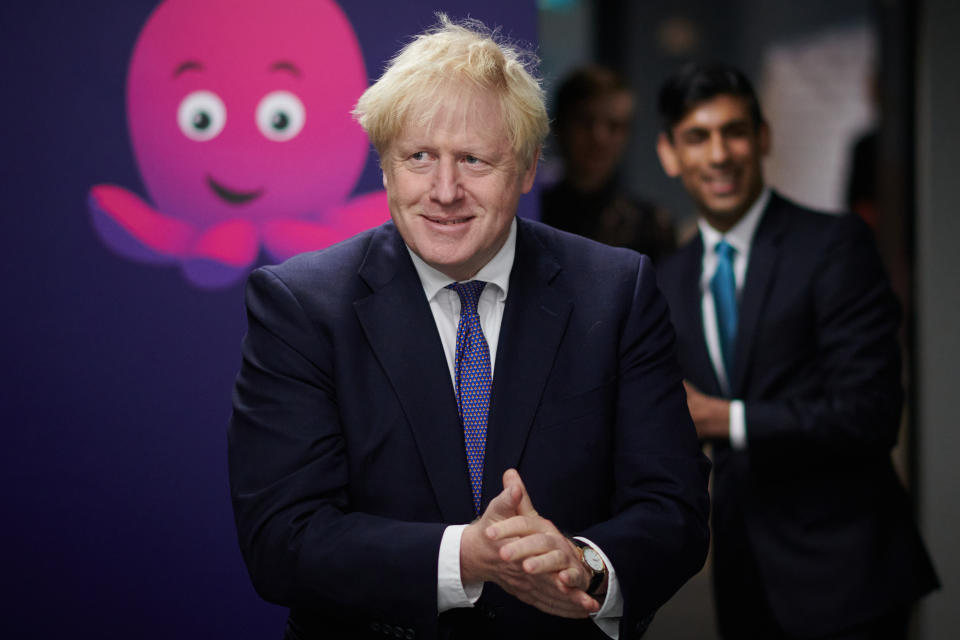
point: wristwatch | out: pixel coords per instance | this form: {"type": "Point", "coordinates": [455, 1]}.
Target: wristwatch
{"type": "Point", "coordinates": [593, 563]}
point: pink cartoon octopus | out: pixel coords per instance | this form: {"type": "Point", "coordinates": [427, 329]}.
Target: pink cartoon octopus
{"type": "Point", "coordinates": [239, 114]}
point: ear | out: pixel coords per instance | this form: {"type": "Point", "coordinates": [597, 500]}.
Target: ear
{"type": "Point", "coordinates": [384, 172]}
{"type": "Point", "coordinates": [530, 174]}
{"type": "Point", "coordinates": [765, 139]}
{"type": "Point", "coordinates": [668, 156]}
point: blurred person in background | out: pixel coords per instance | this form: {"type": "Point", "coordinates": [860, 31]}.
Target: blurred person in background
{"type": "Point", "coordinates": [594, 112]}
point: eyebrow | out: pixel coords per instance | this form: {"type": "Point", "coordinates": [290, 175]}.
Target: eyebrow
{"type": "Point", "coordinates": [187, 65]}
{"type": "Point", "coordinates": [724, 126]}
{"type": "Point", "coordinates": [285, 65]}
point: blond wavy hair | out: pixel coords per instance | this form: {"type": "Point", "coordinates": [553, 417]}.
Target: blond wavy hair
{"type": "Point", "coordinates": [450, 59]}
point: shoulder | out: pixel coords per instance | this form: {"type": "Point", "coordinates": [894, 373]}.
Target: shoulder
{"type": "Point", "coordinates": [803, 222]}
{"type": "Point", "coordinates": [830, 251]}
{"type": "Point", "coordinates": [820, 244]}
{"type": "Point", "coordinates": [574, 252]}
{"type": "Point", "coordinates": [330, 274]}
{"type": "Point", "coordinates": [597, 276]}
{"type": "Point", "coordinates": [610, 285]}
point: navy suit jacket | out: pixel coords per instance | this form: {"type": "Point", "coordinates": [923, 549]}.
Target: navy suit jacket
{"type": "Point", "coordinates": [346, 451]}
{"type": "Point", "coordinates": [817, 366]}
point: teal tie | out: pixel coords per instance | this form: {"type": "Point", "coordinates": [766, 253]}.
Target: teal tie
{"type": "Point", "coordinates": [723, 286]}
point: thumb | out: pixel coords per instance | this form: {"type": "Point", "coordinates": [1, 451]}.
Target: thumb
{"type": "Point", "coordinates": [512, 481]}
{"type": "Point", "coordinates": [503, 506]}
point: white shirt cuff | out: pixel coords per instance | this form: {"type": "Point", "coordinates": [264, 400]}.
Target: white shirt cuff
{"type": "Point", "coordinates": [451, 592]}
{"type": "Point", "coordinates": [608, 617]}
{"type": "Point", "coordinates": [738, 425]}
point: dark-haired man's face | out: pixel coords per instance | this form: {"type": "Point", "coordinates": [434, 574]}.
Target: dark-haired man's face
{"type": "Point", "coordinates": [717, 152]}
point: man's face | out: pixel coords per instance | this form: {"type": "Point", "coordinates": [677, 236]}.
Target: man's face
{"type": "Point", "coordinates": [717, 151]}
{"type": "Point", "coordinates": [594, 137]}
{"type": "Point", "coordinates": [453, 184]}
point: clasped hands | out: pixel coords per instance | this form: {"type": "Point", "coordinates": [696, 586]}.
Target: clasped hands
{"type": "Point", "coordinates": [526, 555]}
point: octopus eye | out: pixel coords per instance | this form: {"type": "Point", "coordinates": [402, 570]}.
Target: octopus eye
{"type": "Point", "coordinates": [201, 115]}
{"type": "Point", "coordinates": [280, 116]}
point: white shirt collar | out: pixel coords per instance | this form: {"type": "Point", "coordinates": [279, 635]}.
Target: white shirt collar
{"type": "Point", "coordinates": [740, 235]}
{"type": "Point", "coordinates": [495, 272]}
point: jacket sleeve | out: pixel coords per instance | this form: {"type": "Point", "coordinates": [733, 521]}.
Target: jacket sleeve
{"type": "Point", "coordinates": [303, 544]}
{"type": "Point", "coordinates": [848, 399]}
{"type": "Point", "coordinates": [658, 534]}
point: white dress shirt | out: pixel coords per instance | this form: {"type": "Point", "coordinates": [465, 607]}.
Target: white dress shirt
{"type": "Point", "coordinates": [740, 237]}
{"type": "Point", "coordinates": [445, 306]}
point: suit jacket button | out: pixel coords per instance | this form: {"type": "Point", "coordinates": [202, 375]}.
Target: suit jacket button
{"type": "Point", "coordinates": [398, 632]}
{"type": "Point", "coordinates": [386, 629]}
{"type": "Point", "coordinates": [411, 634]}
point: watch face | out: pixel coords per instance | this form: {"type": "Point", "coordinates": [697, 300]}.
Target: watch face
{"type": "Point", "coordinates": [593, 559]}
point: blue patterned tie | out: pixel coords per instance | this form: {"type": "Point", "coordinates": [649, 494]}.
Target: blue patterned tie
{"type": "Point", "coordinates": [723, 286]}
{"type": "Point", "coordinates": [472, 365]}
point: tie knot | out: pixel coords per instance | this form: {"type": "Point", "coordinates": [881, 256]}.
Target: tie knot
{"type": "Point", "coordinates": [469, 293]}
{"type": "Point", "coordinates": [725, 250]}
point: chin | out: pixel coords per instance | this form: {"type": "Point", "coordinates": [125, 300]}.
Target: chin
{"type": "Point", "coordinates": [727, 209]}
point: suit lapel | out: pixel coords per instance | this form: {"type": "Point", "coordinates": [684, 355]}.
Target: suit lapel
{"type": "Point", "coordinates": [534, 321]}
{"type": "Point", "coordinates": [764, 257]}
{"type": "Point", "coordinates": [397, 321]}
{"type": "Point", "coordinates": [691, 314]}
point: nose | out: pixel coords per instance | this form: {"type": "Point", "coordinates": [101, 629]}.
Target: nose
{"type": "Point", "coordinates": [598, 129]}
{"type": "Point", "coordinates": [446, 182]}
{"type": "Point", "coordinates": [719, 153]}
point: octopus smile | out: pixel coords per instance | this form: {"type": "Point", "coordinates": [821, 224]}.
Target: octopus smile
{"type": "Point", "coordinates": [231, 196]}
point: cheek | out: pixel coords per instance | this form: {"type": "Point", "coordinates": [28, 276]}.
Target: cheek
{"type": "Point", "coordinates": [689, 176]}
{"type": "Point", "coordinates": [743, 152]}
{"type": "Point", "coordinates": [408, 190]}
{"type": "Point", "coordinates": [579, 140]}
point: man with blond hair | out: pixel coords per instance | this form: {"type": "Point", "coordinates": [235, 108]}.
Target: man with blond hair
{"type": "Point", "coordinates": [461, 424]}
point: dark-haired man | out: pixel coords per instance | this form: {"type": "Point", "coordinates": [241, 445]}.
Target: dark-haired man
{"type": "Point", "coordinates": [787, 337]}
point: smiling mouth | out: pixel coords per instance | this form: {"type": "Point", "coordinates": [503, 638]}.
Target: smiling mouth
{"type": "Point", "coordinates": [449, 221]}
{"type": "Point", "coordinates": [231, 196]}
{"type": "Point", "coordinates": [722, 184]}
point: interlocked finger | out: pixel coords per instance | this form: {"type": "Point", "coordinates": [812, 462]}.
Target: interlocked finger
{"type": "Point", "coordinates": [515, 527]}
{"type": "Point", "coordinates": [573, 604]}
{"type": "Point", "coordinates": [531, 545]}
{"type": "Point", "coordinates": [551, 561]}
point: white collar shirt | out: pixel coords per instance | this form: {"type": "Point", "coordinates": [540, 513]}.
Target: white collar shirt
{"type": "Point", "coordinates": [740, 237]}
{"type": "Point", "coordinates": [445, 307]}
{"type": "Point", "coordinates": [445, 303]}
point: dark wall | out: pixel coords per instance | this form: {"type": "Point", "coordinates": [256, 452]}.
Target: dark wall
{"type": "Point", "coordinates": [938, 305]}
{"type": "Point", "coordinates": [116, 518]}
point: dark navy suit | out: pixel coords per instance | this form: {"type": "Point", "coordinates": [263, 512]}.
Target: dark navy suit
{"type": "Point", "coordinates": [347, 457]}
{"type": "Point", "coordinates": [811, 512]}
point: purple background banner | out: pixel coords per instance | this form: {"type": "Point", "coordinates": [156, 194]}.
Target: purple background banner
{"type": "Point", "coordinates": [117, 373]}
